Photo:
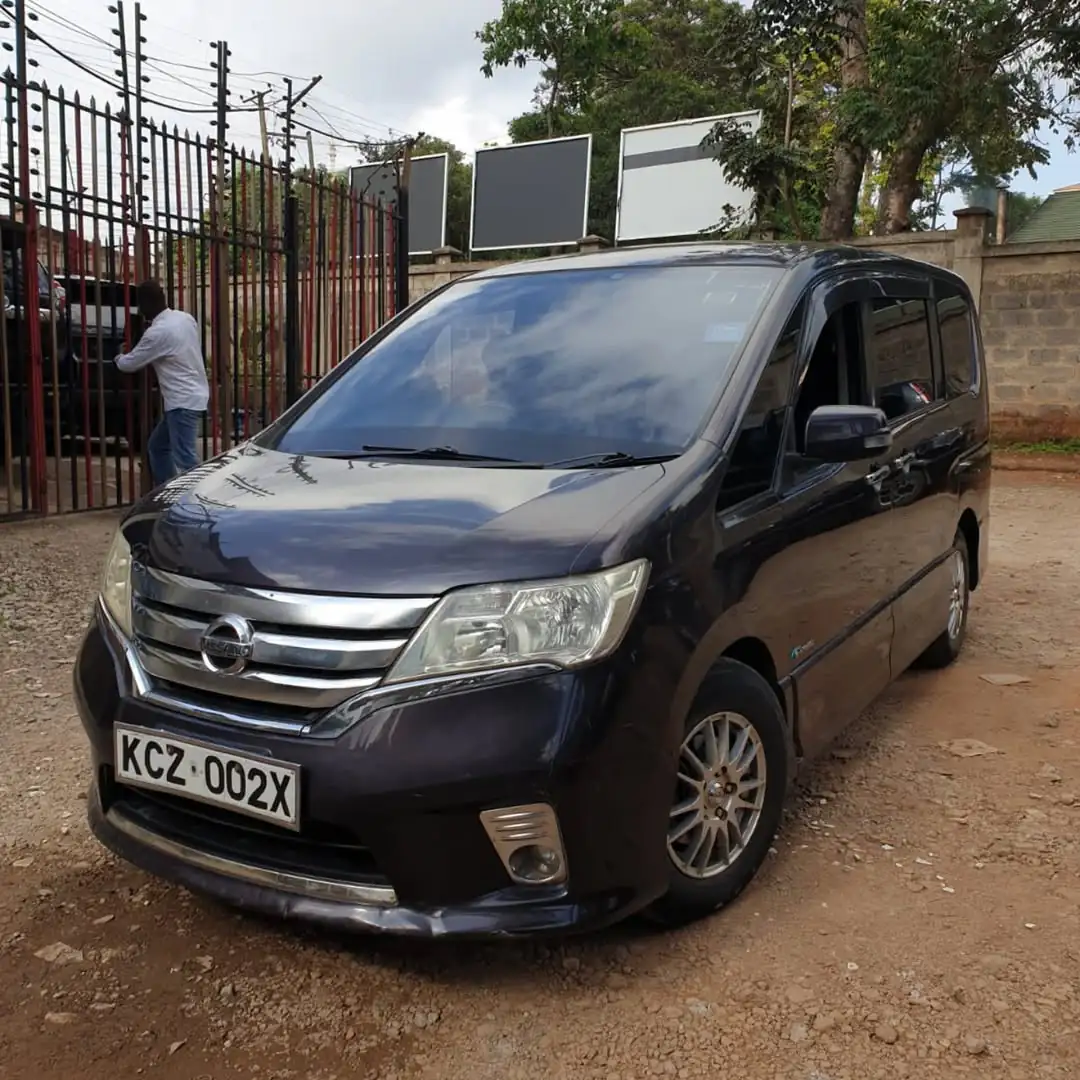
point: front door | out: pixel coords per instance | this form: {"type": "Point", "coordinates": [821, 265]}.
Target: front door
{"type": "Point", "coordinates": [843, 542]}
{"type": "Point", "coordinates": [809, 554]}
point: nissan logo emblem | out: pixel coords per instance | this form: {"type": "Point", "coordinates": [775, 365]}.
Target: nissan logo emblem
{"type": "Point", "coordinates": [227, 645]}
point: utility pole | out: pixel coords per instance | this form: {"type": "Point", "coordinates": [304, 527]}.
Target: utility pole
{"type": "Point", "coordinates": [264, 133]}
{"type": "Point", "coordinates": [292, 248]}
{"type": "Point", "coordinates": [220, 247]}
{"type": "Point", "coordinates": [291, 102]}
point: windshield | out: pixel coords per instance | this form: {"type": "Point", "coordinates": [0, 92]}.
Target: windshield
{"type": "Point", "coordinates": [544, 366]}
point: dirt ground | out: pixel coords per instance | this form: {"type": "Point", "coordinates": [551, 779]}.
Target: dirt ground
{"type": "Point", "coordinates": [920, 917]}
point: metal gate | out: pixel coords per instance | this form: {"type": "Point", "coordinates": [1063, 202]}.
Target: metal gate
{"type": "Point", "coordinates": [285, 273]}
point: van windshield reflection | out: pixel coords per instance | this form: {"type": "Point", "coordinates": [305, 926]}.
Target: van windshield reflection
{"type": "Point", "coordinates": [544, 366]}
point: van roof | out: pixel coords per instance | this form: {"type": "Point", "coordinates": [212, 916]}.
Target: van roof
{"type": "Point", "coordinates": [713, 253]}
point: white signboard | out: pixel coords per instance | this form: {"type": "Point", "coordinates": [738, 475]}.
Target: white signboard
{"type": "Point", "coordinates": [669, 185]}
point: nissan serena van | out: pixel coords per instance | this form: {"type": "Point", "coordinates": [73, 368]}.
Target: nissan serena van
{"type": "Point", "coordinates": [523, 619]}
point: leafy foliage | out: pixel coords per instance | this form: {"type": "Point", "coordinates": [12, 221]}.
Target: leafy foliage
{"type": "Point", "coordinates": [867, 104]}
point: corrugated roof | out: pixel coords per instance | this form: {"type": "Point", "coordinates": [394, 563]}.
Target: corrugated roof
{"type": "Point", "coordinates": [1057, 219]}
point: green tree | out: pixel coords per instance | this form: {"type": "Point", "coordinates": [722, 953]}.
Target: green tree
{"type": "Point", "coordinates": [864, 101]}
{"type": "Point", "coordinates": [568, 39]}
{"type": "Point", "coordinates": [978, 77]}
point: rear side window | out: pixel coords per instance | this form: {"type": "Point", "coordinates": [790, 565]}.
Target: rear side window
{"type": "Point", "coordinates": [903, 358]}
{"type": "Point", "coordinates": [957, 345]}
{"type": "Point", "coordinates": [757, 447]}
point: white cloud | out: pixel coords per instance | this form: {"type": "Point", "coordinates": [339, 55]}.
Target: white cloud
{"type": "Point", "coordinates": [386, 64]}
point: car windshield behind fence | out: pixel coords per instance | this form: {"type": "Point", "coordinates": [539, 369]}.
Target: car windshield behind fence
{"type": "Point", "coordinates": [544, 366]}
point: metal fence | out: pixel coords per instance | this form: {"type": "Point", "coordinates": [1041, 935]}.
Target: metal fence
{"type": "Point", "coordinates": [285, 273]}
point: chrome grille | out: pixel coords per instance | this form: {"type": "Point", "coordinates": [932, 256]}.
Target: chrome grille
{"type": "Point", "coordinates": [308, 652]}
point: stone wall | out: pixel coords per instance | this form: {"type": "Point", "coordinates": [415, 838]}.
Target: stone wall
{"type": "Point", "coordinates": [1030, 308]}
{"type": "Point", "coordinates": [1029, 302]}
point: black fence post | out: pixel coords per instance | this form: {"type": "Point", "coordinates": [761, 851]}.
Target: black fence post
{"type": "Point", "coordinates": [292, 300]}
{"type": "Point", "coordinates": [401, 251]}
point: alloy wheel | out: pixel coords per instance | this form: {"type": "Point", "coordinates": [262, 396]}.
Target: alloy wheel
{"type": "Point", "coordinates": [720, 794]}
{"type": "Point", "coordinates": [958, 595]}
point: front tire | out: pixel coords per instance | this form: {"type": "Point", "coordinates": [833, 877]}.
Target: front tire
{"type": "Point", "coordinates": [728, 793]}
{"type": "Point", "coordinates": [947, 645]}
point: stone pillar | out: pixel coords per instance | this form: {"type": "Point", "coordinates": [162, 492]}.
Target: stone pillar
{"type": "Point", "coordinates": [444, 256]}
{"type": "Point", "coordinates": [591, 244]}
{"type": "Point", "coordinates": [972, 233]}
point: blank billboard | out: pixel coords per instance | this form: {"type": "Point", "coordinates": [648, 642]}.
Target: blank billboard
{"type": "Point", "coordinates": [533, 194]}
{"type": "Point", "coordinates": [669, 185]}
{"type": "Point", "coordinates": [428, 181]}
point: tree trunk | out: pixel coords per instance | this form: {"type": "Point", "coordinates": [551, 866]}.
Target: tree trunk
{"type": "Point", "coordinates": [902, 180]}
{"type": "Point", "coordinates": [552, 104]}
{"type": "Point", "coordinates": [849, 155]}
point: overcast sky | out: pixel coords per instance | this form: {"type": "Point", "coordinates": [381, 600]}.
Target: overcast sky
{"type": "Point", "coordinates": [387, 66]}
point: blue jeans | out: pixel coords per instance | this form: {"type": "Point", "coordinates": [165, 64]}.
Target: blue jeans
{"type": "Point", "coordinates": [172, 445]}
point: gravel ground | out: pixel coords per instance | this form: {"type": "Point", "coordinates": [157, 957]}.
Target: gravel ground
{"type": "Point", "coordinates": [920, 918]}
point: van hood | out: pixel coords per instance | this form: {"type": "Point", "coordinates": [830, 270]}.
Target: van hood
{"type": "Point", "coordinates": [264, 519]}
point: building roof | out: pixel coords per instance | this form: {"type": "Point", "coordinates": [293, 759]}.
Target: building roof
{"type": "Point", "coordinates": [1057, 219]}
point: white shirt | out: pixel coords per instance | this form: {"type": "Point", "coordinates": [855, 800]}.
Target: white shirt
{"type": "Point", "coordinates": [173, 344]}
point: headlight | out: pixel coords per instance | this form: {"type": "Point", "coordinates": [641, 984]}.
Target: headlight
{"type": "Point", "coordinates": [568, 622]}
{"type": "Point", "coordinates": [116, 583]}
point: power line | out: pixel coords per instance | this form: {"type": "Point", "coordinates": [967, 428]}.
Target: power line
{"type": "Point", "coordinates": [181, 107]}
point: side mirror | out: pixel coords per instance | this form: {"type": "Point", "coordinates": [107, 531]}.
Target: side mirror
{"type": "Point", "coordinates": [841, 433]}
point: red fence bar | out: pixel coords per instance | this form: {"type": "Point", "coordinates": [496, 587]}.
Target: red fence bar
{"type": "Point", "coordinates": [39, 483]}
{"type": "Point", "coordinates": [111, 206]}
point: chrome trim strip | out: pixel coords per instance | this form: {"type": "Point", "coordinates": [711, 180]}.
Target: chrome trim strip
{"type": "Point", "coordinates": [533, 825]}
{"type": "Point", "coordinates": [345, 892]}
{"type": "Point", "coordinates": [144, 690]}
{"type": "Point", "coordinates": [387, 695]}
{"type": "Point", "coordinates": [271, 687]}
{"type": "Point", "coordinates": [276, 606]}
{"type": "Point", "coordinates": [337, 721]}
{"type": "Point", "coordinates": [223, 716]}
{"type": "Point", "coordinates": [139, 682]}
{"type": "Point", "coordinates": [271, 649]}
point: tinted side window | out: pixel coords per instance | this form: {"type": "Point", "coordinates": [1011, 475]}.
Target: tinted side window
{"type": "Point", "coordinates": [757, 447]}
{"type": "Point", "coordinates": [904, 365]}
{"type": "Point", "coordinates": [957, 345]}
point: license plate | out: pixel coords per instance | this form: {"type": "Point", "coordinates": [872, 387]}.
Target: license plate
{"type": "Point", "coordinates": [264, 789]}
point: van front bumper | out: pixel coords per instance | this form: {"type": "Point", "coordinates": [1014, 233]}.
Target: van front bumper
{"type": "Point", "coordinates": [391, 836]}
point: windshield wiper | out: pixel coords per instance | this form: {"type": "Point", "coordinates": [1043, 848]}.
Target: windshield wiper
{"type": "Point", "coordinates": [427, 453]}
{"type": "Point", "coordinates": [613, 459]}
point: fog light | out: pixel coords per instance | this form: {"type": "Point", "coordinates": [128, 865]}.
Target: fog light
{"type": "Point", "coordinates": [535, 864]}
{"type": "Point", "coordinates": [527, 841]}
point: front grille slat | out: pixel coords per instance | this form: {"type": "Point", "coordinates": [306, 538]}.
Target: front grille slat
{"type": "Point", "coordinates": [313, 612]}
{"type": "Point", "coordinates": [168, 628]}
{"type": "Point", "coordinates": [307, 652]}
{"type": "Point", "coordinates": [271, 649]}
{"type": "Point", "coordinates": [253, 684]}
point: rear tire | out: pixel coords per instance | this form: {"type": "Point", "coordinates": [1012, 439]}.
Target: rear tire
{"type": "Point", "coordinates": [947, 645]}
{"type": "Point", "coordinates": [728, 793]}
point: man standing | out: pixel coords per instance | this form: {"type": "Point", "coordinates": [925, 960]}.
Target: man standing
{"type": "Point", "coordinates": [173, 344]}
